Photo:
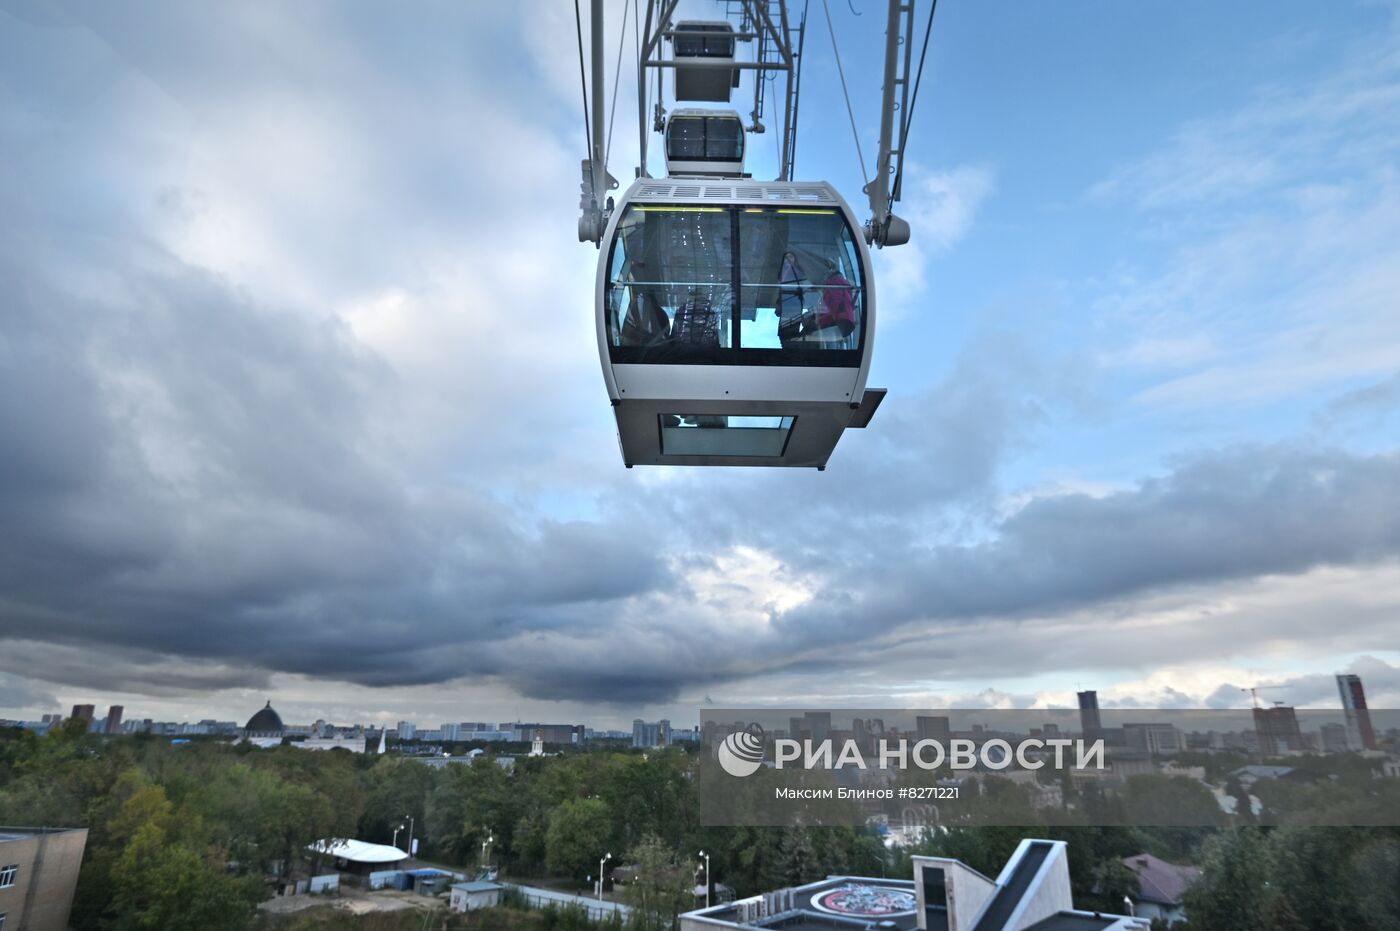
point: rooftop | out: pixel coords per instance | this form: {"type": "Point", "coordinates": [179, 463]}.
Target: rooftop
{"type": "Point", "coordinates": [477, 886]}
{"type": "Point", "coordinates": [8, 833]}
{"type": "Point", "coordinates": [834, 903]}
{"type": "Point", "coordinates": [1159, 881]}
{"type": "Point", "coordinates": [358, 851]}
{"type": "Point", "coordinates": [1018, 900]}
{"type": "Point", "coordinates": [266, 721]}
{"type": "Point", "coordinates": [1070, 921]}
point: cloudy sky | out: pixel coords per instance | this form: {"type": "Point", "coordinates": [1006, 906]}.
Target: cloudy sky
{"type": "Point", "coordinates": [300, 398]}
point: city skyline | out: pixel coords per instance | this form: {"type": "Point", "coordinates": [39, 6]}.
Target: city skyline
{"type": "Point", "coordinates": [304, 399]}
{"type": "Point", "coordinates": [1312, 689]}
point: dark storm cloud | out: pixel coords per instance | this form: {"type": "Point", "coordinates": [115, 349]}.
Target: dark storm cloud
{"type": "Point", "coordinates": [202, 476]}
{"type": "Point", "coordinates": [618, 686]}
{"type": "Point", "coordinates": [113, 668]}
{"type": "Point", "coordinates": [200, 485]}
{"type": "Point", "coordinates": [208, 478]}
{"type": "Point", "coordinates": [1230, 515]}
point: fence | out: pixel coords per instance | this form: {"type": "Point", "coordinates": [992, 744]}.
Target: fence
{"type": "Point", "coordinates": [382, 879]}
{"type": "Point", "coordinates": [536, 897]}
{"type": "Point", "coordinates": [327, 883]}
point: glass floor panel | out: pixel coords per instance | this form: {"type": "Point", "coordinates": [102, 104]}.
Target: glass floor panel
{"type": "Point", "coordinates": [721, 435]}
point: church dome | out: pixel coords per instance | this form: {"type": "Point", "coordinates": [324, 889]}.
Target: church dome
{"type": "Point", "coordinates": [266, 723]}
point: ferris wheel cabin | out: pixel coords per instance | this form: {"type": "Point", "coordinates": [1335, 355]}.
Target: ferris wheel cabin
{"type": "Point", "coordinates": [707, 45]}
{"type": "Point", "coordinates": [735, 322]}
{"type": "Point", "coordinates": [704, 142]}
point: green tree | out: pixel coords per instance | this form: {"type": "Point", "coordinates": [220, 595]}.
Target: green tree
{"type": "Point", "coordinates": [159, 884]}
{"type": "Point", "coordinates": [1169, 800]}
{"type": "Point", "coordinates": [799, 857]}
{"type": "Point", "coordinates": [1115, 882]}
{"type": "Point", "coordinates": [659, 889]}
{"type": "Point", "coordinates": [395, 790]}
{"type": "Point", "coordinates": [579, 835]}
{"type": "Point", "coordinates": [1234, 886]}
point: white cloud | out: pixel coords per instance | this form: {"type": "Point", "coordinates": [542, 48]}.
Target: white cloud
{"type": "Point", "coordinates": [940, 208]}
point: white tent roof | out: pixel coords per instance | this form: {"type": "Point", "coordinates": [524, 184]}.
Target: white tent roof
{"type": "Point", "coordinates": [359, 851]}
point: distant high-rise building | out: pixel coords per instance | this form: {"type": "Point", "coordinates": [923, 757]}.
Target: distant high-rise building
{"type": "Point", "coordinates": [114, 719]}
{"type": "Point", "coordinates": [1089, 715]}
{"type": "Point", "coordinates": [407, 730]}
{"type": "Point", "coordinates": [934, 728]}
{"type": "Point", "coordinates": [1153, 738]}
{"type": "Point", "coordinates": [647, 734]}
{"type": "Point", "coordinates": [1334, 738]}
{"type": "Point", "coordinates": [1277, 729]}
{"type": "Point", "coordinates": [860, 729]}
{"type": "Point", "coordinates": [1362, 735]}
{"type": "Point", "coordinates": [83, 711]}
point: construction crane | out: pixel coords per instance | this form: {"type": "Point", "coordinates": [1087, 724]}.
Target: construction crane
{"type": "Point", "coordinates": [1254, 691]}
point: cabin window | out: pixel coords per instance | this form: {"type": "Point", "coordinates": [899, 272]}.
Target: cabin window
{"type": "Point", "coordinates": [704, 40]}
{"type": "Point", "coordinates": [735, 285]}
{"type": "Point", "coordinates": [705, 139]}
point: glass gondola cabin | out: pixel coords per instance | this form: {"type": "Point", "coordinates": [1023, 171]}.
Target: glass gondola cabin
{"type": "Point", "coordinates": [707, 45]}
{"type": "Point", "coordinates": [704, 142]}
{"type": "Point", "coordinates": [735, 322]}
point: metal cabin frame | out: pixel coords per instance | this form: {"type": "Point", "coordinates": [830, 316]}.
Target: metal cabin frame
{"type": "Point", "coordinates": [824, 400]}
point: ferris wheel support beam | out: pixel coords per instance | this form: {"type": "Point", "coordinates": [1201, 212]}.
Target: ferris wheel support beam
{"type": "Point", "coordinates": [884, 228]}
{"type": "Point", "coordinates": [789, 91]}
{"type": "Point", "coordinates": [759, 23]}
{"type": "Point", "coordinates": [758, 14]}
{"type": "Point", "coordinates": [594, 202]}
{"type": "Point", "coordinates": [659, 14]}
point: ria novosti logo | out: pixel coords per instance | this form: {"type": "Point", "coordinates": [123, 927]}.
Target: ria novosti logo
{"type": "Point", "coordinates": [741, 753]}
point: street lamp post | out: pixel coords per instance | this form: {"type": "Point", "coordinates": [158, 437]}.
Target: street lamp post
{"type": "Point", "coordinates": [397, 829]}
{"type": "Point", "coordinates": [601, 864]}
{"type": "Point", "coordinates": [484, 844]}
{"type": "Point", "coordinates": [707, 877]}
{"type": "Point", "coordinates": [410, 834]}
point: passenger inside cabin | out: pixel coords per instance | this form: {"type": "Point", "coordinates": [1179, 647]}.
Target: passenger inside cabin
{"type": "Point", "coordinates": [645, 323]}
{"type": "Point", "coordinates": [791, 297]}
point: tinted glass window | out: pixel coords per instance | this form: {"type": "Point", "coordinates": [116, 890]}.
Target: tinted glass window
{"type": "Point", "coordinates": [704, 41]}
{"type": "Point", "coordinates": [698, 138]}
{"type": "Point", "coordinates": [724, 435]}
{"type": "Point", "coordinates": [700, 284]}
{"type": "Point", "coordinates": [685, 138]}
{"type": "Point", "coordinates": [724, 138]}
{"type": "Point", "coordinates": [802, 285]}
